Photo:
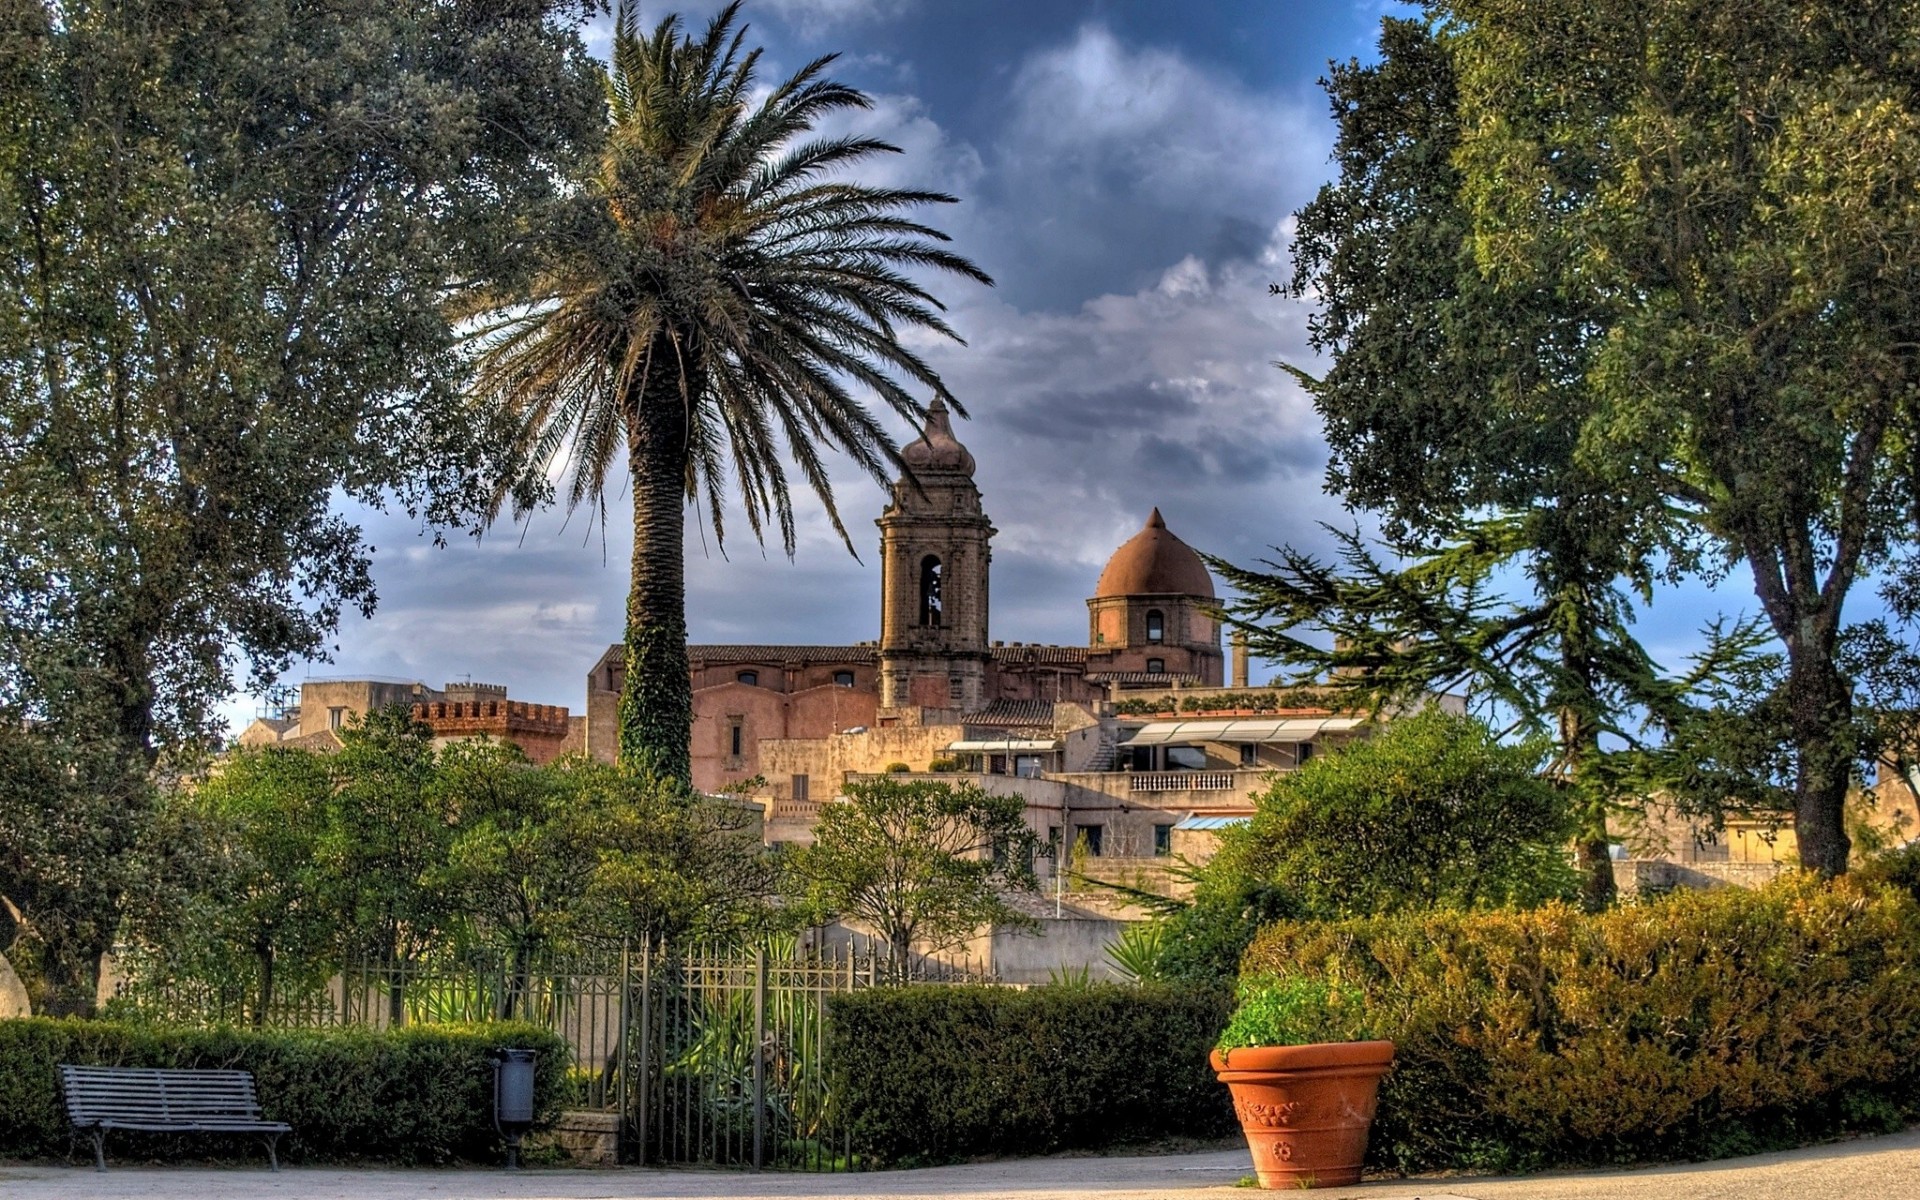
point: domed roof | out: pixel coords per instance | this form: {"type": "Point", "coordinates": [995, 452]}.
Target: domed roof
{"type": "Point", "coordinates": [937, 449]}
{"type": "Point", "coordinates": [1153, 562]}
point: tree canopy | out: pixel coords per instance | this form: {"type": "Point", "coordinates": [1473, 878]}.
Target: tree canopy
{"type": "Point", "coordinates": [229, 236]}
{"type": "Point", "coordinates": [1433, 811]}
{"type": "Point", "coordinates": [923, 862]}
{"type": "Point", "coordinates": [1639, 275]}
{"type": "Point", "coordinates": [1731, 193]}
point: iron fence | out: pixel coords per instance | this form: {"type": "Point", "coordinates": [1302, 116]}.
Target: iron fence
{"type": "Point", "coordinates": [713, 1056]}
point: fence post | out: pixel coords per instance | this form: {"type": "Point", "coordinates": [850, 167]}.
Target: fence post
{"type": "Point", "coordinates": [622, 1031]}
{"type": "Point", "coordinates": [759, 1058]}
{"type": "Point", "coordinates": [643, 1085]}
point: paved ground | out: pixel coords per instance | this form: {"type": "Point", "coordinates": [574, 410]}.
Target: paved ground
{"type": "Point", "coordinates": [1868, 1169]}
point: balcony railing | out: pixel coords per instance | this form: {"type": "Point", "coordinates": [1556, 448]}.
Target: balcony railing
{"type": "Point", "coordinates": [1181, 781]}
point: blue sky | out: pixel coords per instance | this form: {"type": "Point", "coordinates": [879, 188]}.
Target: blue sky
{"type": "Point", "coordinates": [1126, 171]}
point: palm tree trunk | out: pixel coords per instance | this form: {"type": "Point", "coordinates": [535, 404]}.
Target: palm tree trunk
{"type": "Point", "coordinates": [656, 700]}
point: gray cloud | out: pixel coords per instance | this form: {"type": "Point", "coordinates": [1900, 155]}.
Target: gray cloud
{"type": "Point", "coordinates": [1136, 207]}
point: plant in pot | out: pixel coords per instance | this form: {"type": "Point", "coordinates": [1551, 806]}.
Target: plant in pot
{"type": "Point", "coordinates": [1305, 1076]}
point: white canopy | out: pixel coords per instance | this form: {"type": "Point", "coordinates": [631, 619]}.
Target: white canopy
{"type": "Point", "coordinates": [1004, 746]}
{"type": "Point", "coordinates": [1240, 730]}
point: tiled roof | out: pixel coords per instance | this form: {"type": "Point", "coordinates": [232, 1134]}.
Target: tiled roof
{"type": "Point", "coordinates": [782, 654]}
{"type": "Point", "coordinates": [1038, 713]}
{"type": "Point", "coordinates": [1040, 654]}
{"type": "Point", "coordinates": [1144, 677]}
{"type": "Point", "coordinates": [326, 741]}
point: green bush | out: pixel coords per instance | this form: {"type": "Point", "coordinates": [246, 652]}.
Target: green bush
{"type": "Point", "coordinates": [1701, 1025]}
{"type": "Point", "coordinates": [1295, 1010]}
{"type": "Point", "coordinates": [1896, 868]}
{"type": "Point", "coordinates": [422, 1094]}
{"type": "Point", "coordinates": [935, 1074]}
{"type": "Point", "coordinates": [1434, 811]}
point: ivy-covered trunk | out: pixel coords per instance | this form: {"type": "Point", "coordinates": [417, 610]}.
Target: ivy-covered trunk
{"type": "Point", "coordinates": [656, 700]}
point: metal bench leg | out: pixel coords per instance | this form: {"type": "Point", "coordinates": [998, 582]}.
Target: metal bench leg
{"type": "Point", "coordinates": [273, 1154]}
{"type": "Point", "coordinates": [99, 1149]}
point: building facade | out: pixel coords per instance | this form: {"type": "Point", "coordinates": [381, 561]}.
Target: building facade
{"type": "Point", "coordinates": [454, 712]}
{"type": "Point", "coordinates": [1150, 628]}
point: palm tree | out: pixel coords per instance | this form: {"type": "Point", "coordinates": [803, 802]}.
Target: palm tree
{"type": "Point", "coordinates": [711, 314]}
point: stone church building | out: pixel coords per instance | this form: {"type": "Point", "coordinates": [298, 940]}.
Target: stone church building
{"type": "Point", "coordinates": [935, 663]}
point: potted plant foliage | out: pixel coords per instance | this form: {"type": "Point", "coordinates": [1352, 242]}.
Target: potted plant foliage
{"type": "Point", "coordinates": [1304, 1101]}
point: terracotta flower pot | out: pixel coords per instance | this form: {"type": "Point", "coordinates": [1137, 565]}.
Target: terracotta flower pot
{"type": "Point", "coordinates": [1306, 1109]}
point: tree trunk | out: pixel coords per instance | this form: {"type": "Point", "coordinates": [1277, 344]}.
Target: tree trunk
{"type": "Point", "coordinates": [1579, 750]}
{"type": "Point", "coordinates": [1819, 717]}
{"type": "Point", "coordinates": [69, 982]}
{"type": "Point", "coordinates": [656, 700]}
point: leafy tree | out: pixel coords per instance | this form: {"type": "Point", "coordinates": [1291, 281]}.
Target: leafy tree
{"type": "Point", "coordinates": [75, 817]}
{"type": "Point", "coordinates": [1431, 812]}
{"type": "Point", "coordinates": [1727, 194]}
{"type": "Point", "coordinates": [383, 856]}
{"type": "Point", "coordinates": [921, 861]}
{"type": "Point", "coordinates": [706, 314]}
{"type": "Point", "coordinates": [259, 912]}
{"type": "Point", "coordinates": [674, 865]}
{"type": "Point", "coordinates": [1456, 411]}
{"type": "Point", "coordinates": [227, 233]}
{"type": "Point", "coordinates": [520, 856]}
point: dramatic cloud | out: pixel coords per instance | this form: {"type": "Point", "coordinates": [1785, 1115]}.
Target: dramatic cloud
{"type": "Point", "coordinates": [1134, 207]}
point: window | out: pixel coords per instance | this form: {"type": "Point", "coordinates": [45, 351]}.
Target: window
{"type": "Point", "coordinates": [1156, 666]}
{"type": "Point", "coordinates": [799, 787]}
{"type": "Point", "coordinates": [1139, 758]}
{"type": "Point", "coordinates": [1249, 755]}
{"type": "Point", "coordinates": [336, 718]}
{"type": "Point", "coordinates": [1306, 752]}
{"type": "Point", "coordinates": [1156, 625]}
{"type": "Point", "coordinates": [750, 678]}
{"type": "Point", "coordinates": [930, 591]}
{"type": "Point", "coordinates": [843, 679]}
{"type": "Point", "coordinates": [1091, 835]}
{"type": "Point", "coordinates": [1026, 766]}
{"type": "Point", "coordinates": [956, 688]}
{"type": "Point", "coordinates": [1186, 758]}
{"type": "Point", "coordinates": [1162, 840]}
{"type": "Point", "coordinates": [736, 735]}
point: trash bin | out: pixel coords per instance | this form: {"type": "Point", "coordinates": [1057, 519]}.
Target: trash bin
{"type": "Point", "coordinates": [513, 1098]}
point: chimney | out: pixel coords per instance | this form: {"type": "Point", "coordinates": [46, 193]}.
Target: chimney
{"type": "Point", "coordinates": [1239, 658]}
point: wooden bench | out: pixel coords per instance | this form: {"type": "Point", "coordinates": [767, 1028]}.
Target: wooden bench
{"type": "Point", "coordinates": [164, 1101]}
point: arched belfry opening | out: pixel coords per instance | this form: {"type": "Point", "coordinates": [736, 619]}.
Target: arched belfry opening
{"type": "Point", "coordinates": [930, 606]}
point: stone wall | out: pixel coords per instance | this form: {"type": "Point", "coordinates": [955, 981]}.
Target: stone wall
{"type": "Point", "coordinates": [589, 1139]}
{"type": "Point", "coordinates": [1638, 875]}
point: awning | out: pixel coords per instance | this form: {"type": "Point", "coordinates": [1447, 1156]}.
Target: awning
{"type": "Point", "coordinates": [1241, 730]}
{"type": "Point", "coordinates": [1004, 746]}
{"type": "Point", "coordinates": [1211, 823]}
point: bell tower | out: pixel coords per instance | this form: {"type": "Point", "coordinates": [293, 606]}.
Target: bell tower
{"type": "Point", "coordinates": [933, 577]}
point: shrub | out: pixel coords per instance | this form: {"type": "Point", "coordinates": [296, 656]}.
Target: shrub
{"type": "Point", "coordinates": [1896, 868]}
{"type": "Point", "coordinates": [934, 1074]}
{"type": "Point", "coordinates": [1705, 1024]}
{"type": "Point", "coordinates": [422, 1094]}
{"type": "Point", "coordinates": [1295, 1010]}
{"type": "Point", "coordinates": [1431, 812]}
{"type": "Point", "coordinates": [898, 768]}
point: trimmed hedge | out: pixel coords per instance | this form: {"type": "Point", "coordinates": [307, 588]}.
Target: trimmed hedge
{"type": "Point", "coordinates": [935, 1074]}
{"type": "Point", "coordinates": [1701, 1025]}
{"type": "Point", "coordinates": [421, 1094]}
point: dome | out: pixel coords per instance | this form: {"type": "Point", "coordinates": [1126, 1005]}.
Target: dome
{"type": "Point", "coordinates": [1153, 562]}
{"type": "Point", "coordinates": [937, 449]}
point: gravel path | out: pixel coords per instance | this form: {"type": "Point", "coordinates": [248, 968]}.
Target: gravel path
{"type": "Point", "coordinates": [1867, 1169]}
